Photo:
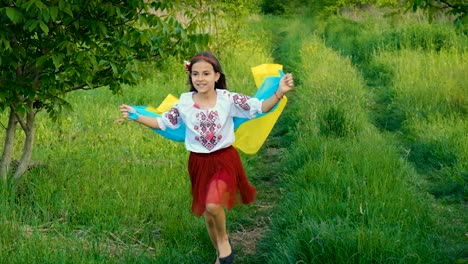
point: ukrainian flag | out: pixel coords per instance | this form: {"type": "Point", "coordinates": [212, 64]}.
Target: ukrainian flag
{"type": "Point", "coordinates": [250, 133]}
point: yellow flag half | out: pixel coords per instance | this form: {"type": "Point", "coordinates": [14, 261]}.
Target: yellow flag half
{"type": "Point", "coordinates": [250, 134]}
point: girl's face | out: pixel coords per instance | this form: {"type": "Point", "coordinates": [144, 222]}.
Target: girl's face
{"type": "Point", "coordinates": [204, 76]}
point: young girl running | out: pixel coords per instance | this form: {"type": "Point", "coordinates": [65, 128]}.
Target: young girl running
{"type": "Point", "coordinates": [218, 179]}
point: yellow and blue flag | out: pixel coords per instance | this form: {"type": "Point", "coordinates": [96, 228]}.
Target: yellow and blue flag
{"type": "Point", "coordinates": [250, 133]}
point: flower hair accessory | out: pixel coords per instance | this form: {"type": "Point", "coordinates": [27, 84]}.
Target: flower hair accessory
{"type": "Point", "coordinates": [187, 66]}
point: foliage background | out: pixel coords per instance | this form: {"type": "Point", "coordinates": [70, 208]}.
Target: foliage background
{"type": "Point", "coordinates": [368, 164]}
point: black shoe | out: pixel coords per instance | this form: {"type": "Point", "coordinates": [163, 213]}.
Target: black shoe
{"type": "Point", "coordinates": [229, 259]}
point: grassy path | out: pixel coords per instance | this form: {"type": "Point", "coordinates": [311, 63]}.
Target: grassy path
{"type": "Point", "coordinates": [406, 83]}
{"type": "Point", "coordinates": [379, 209]}
{"type": "Point", "coordinates": [266, 167]}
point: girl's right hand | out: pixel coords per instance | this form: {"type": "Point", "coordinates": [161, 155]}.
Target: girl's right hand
{"type": "Point", "coordinates": [125, 110]}
{"type": "Point", "coordinates": [286, 83]}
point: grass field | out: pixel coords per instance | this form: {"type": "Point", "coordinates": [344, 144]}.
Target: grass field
{"type": "Point", "coordinates": [368, 163]}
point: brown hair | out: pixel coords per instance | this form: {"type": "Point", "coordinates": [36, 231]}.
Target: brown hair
{"type": "Point", "coordinates": [211, 59]}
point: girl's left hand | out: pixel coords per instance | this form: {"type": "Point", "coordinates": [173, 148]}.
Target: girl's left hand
{"type": "Point", "coordinates": [286, 83]}
{"type": "Point", "coordinates": [126, 110]}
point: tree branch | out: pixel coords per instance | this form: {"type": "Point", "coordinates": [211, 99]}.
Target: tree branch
{"type": "Point", "coordinates": [447, 3]}
{"type": "Point", "coordinates": [78, 87]}
{"type": "Point", "coordinates": [82, 87]}
{"type": "Point", "coordinates": [8, 147]}
{"type": "Point", "coordinates": [79, 15]}
{"type": "Point", "coordinates": [28, 143]}
{"type": "Point", "coordinates": [20, 120]}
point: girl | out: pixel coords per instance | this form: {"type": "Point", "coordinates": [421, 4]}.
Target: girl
{"type": "Point", "coordinates": [216, 173]}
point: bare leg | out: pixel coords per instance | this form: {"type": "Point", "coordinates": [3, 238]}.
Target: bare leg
{"type": "Point", "coordinates": [218, 216]}
{"type": "Point", "coordinates": [210, 226]}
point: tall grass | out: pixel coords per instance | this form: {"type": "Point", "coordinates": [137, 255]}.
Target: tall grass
{"type": "Point", "coordinates": [431, 92]}
{"type": "Point", "coordinates": [349, 197]}
{"type": "Point", "coordinates": [417, 74]}
{"type": "Point", "coordinates": [361, 38]}
{"type": "Point", "coordinates": [352, 196]}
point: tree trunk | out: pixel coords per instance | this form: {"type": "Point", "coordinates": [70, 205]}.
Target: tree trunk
{"type": "Point", "coordinates": [8, 147]}
{"type": "Point", "coordinates": [29, 131]}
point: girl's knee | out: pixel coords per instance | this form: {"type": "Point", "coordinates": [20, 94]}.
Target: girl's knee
{"type": "Point", "coordinates": [213, 209]}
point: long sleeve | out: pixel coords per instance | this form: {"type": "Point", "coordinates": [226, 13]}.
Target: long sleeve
{"type": "Point", "coordinates": [245, 106]}
{"type": "Point", "coordinates": [170, 119]}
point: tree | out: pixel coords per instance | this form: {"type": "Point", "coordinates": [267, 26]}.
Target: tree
{"type": "Point", "coordinates": [51, 48]}
{"type": "Point", "coordinates": [327, 7]}
{"type": "Point", "coordinates": [456, 8]}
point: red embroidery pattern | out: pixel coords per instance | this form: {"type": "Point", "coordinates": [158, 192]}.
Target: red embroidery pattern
{"type": "Point", "coordinates": [207, 129]}
{"type": "Point", "coordinates": [241, 101]}
{"type": "Point", "coordinates": [173, 115]}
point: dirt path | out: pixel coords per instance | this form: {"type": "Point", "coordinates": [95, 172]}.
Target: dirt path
{"type": "Point", "coordinates": [246, 237]}
{"type": "Point", "coordinates": [267, 168]}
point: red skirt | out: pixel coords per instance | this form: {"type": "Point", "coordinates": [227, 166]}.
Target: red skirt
{"type": "Point", "coordinates": [218, 178]}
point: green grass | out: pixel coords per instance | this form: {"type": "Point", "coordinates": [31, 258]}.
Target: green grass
{"type": "Point", "coordinates": [103, 189]}
{"type": "Point", "coordinates": [349, 199]}
{"type": "Point", "coordinates": [107, 191]}
{"type": "Point", "coordinates": [434, 110]}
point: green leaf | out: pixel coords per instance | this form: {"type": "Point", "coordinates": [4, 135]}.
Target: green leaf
{"type": "Point", "coordinates": [29, 4]}
{"type": "Point", "coordinates": [45, 14]}
{"type": "Point", "coordinates": [44, 27]}
{"type": "Point", "coordinates": [102, 28]}
{"type": "Point", "coordinates": [122, 51]}
{"type": "Point", "coordinates": [53, 13]}
{"type": "Point", "coordinates": [57, 58]}
{"type": "Point", "coordinates": [6, 44]}
{"type": "Point", "coordinates": [61, 4]}
{"type": "Point", "coordinates": [68, 11]}
{"type": "Point", "coordinates": [80, 57]}
{"type": "Point", "coordinates": [41, 61]}
{"type": "Point", "coordinates": [31, 25]}
{"type": "Point", "coordinates": [114, 68]}
{"type": "Point", "coordinates": [14, 14]}
{"type": "Point", "coordinates": [40, 5]}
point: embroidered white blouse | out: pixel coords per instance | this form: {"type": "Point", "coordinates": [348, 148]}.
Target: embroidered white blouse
{"type": "Point", "coordinates": [208, 130]}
